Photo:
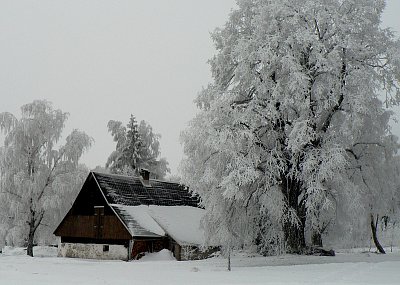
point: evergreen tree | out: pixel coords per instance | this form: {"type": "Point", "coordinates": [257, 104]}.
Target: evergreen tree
{"type": "Point", "coordinates": [137, 148]}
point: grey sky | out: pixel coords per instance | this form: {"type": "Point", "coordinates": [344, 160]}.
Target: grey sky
{"type": "Point", "coordinates": [102, 60]}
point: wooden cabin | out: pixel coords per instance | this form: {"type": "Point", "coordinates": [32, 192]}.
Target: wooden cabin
{"type": "Point", "coordinates": [122, 217]}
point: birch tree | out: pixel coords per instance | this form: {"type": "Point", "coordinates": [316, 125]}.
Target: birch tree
{"type": "Point", "coordinates": [32, 166]}
{"type": "Point", "coordinates": [68, 186]}
{"type": "Point", "coordinates": [284, 118]}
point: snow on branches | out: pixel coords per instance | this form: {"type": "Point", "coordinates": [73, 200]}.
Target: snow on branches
{"type": "Point", "coordinates": [35, 175]}
{"type": "Point", "coordinates": [294, 108]}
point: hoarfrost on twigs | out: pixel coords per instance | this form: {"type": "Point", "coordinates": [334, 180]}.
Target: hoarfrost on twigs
{"type": "Point", "coordinates": [293, 125]}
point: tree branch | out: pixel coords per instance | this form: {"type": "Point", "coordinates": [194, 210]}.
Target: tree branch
{"type": "Point", "coordinates": [12, 193]}
{"type": "Point", "coordinates": [369, 143]}
{"type": "Point", "coordinates": [39, 220]}
{"type": "Point", "coordinates": [336, 108]}
{"type": "Point", "coordinates": [49, 176]}
{"type": "Point", "coordinates": [352, 153]}
{"type": "Point", "coordinates": [211, 155]}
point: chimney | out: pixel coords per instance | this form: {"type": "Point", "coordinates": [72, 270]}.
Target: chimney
{"type": "Point", "coordinates": [145, 174]}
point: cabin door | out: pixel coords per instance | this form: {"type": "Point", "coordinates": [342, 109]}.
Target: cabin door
{"type": "Point", "coordinates": [98, 221]}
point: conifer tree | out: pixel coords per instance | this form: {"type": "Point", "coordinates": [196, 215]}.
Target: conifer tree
{"type": "Point", "coordinates": [137, 148]}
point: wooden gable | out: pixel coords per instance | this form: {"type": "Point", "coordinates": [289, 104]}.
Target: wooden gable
{"type": "Point", "coordinates": [91, 217]}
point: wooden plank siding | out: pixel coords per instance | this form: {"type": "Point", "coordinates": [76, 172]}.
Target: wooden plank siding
{"type": "Point", "coordinates": [88, 227]}
{"type": "Point", "coordinates": [91, 218]}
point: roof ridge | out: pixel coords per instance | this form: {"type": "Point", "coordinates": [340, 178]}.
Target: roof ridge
{"type": "Point", "coordinates": [137, 177]}
{"type": "Point", "coordinates": [113, 174]}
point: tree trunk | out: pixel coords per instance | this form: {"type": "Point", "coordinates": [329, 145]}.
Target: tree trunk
{"type": "Point", "coordinates": [33, 223]}
{"type": "Point", "coordinates": [374, 226]}
{"type": "Point", "coordinates": [391, 240]}
{"type": "Point", "coordinates": [316, 238]}
{"type": "Point", "coordinates": [29, 249]}
{"type": "Point", "coordinates": [294, 234]}
{"type": "Point", "coordinates": [32, 229]}
{"type": "Point", "coordinates": [229, 259]}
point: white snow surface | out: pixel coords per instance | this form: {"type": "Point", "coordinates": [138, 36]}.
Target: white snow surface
{"type": "Point", "coordinates": [162, 255]}
{"type": "Point", "coordinates": [345, 268]}
{"type": "Point", "coordinates": [38, 251]}
{"type": "Point", "coordinates": [182, 223]}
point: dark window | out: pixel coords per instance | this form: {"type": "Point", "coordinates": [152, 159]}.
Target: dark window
{"type": "Point", "coordinates": [106, 247]}
{"type": "Point", "coordinates": [99, 210]}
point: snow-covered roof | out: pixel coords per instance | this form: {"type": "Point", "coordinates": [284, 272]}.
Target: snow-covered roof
{"type": "Point", "coordinates": [154, 209]}
{"type": "Point", "coordinates": [138, 221]}
{"type": "Point", "coordinates": [132, 191]}
{"type": "Point", "coordinates": [182, 223]}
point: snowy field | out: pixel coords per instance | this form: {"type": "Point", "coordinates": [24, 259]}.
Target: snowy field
{"type": "Point", "coordinates": [345, 268]}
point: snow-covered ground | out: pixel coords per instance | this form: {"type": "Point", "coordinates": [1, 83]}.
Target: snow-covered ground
{"type": "Point", "coordinates": [345, 268]}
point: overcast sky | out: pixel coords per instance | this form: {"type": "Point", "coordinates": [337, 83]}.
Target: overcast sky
{"type": "Point", "coordinates": [101, 60]}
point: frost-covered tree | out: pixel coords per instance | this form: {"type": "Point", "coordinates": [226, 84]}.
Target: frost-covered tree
{"type": "Point", "coordinates": [33, 169]}
{"type": "Point", "coordinates": [100, 169]}
{"type": "Point", "coordinates": [137, 147]}
{"type": "Point", "coordinates": [372, 179]}
{"type": "Point", "coordinates": [70, 183]}
{"type": "Point", "coordinates": [126, 155]}
{"type": "Point", "coordinates": [295, 91]}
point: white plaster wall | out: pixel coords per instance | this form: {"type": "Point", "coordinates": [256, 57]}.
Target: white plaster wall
{"type": "Point", "coordinates": [92, 251]}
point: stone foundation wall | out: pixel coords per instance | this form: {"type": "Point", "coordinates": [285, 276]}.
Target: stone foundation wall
{"type": "Point", "coordinates": [93, 251]}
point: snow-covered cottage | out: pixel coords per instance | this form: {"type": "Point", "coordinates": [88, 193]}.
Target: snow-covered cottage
{"type": "Point", "coordinates": [121, 217]}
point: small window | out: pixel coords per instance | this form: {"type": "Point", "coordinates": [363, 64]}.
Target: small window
{"type": "Point", "coordinates": [99, 210]}
{"type": "Point", "coordinates": [106, 247]}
